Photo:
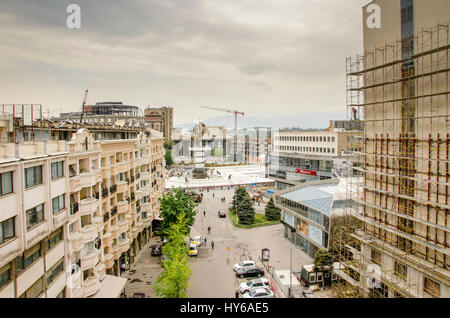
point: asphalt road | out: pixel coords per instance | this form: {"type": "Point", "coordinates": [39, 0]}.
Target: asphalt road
{"type": "Point", "coordinates": [212, 274]}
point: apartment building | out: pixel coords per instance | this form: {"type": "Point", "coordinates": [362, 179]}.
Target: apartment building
{"type": "Point", "coordinates": [300, 156]}
{"type": "Point", "coordinates": [160, 119]}
{"type": "Point", "coordinates": [33, 202]}
{"type": "Point", "coordinates": [74, 211]}
{"type": "Point", "coordinates": [400, 88]}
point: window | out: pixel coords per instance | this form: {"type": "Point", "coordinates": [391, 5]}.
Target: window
{"type": "Point", "coordinates": [35, 216]}
{"type": "Point", "coordinates": [319, 277]}
{"type": "Point", "coordinates": [54, 238]}
{"type": "Point", "coordinates": [35, 290]}
{"type": "Point", "coordinates": [33, 176]}
{"type": "Point", "coordinates": [58, 203]}
{"type": "Point", "coordinates": [432, 287]}
{"type": "Point", "coordinates": [400, 270]}
{"type": "Point", "coordinates": [57, 169]}
{"type": "Point", "coordinates": [312, 277]}
{"type": "Point", "coordinates": [28, 257]}
{"type": "Point", "coordinates": [55, 271]}
{"type": "Point", "coordinates": [7, 230]}
{"type": "Point", "coordinates": [6, 183]}
{"type": "Point", "coordinates": [5, 275]}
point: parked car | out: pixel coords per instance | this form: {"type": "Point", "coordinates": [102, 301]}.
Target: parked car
{"type": "Point", "coordinates": [308, 294]}
{"type": "Point", "coordinates": [156, 250]}
{"type": "Point", "coordinates": [250, 271]}
{"type": "Point", "coordinates": [199, 239]}
{"type": "Point", "coordinates": [222, 214]}
{"type": "Point", "coordinates": [254, 283]}
{"type": "Point", "coordinates": [242, 264]}
{"type": "Point", "coordinates": [193, 249]}
{"type": "Point", "coordinates": [258, 293]}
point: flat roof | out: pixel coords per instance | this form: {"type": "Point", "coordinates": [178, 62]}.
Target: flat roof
{"type": "Point", "coordinates": [110, 287]}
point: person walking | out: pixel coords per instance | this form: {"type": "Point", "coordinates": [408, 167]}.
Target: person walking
{"type": "Point", "coordinates": [237, 293]}
{"type": "Point", "coordinates": [204, 213]}
{"type": "Point", "coordinates": [122, 268]}
{"type": "Point", "coordinates": [213, 194]}
{"type": "Point", "coordinates": [212, 244]}
{"type": "Point", "coordinates": [209, 230]}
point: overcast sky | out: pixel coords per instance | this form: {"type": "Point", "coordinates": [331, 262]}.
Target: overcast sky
{"type": "Point", "coordinates": [264, 57]}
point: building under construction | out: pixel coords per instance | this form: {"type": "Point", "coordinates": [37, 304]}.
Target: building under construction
{"type": "Point", "coordinates": [398, 242]}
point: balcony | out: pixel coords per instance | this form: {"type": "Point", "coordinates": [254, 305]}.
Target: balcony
{"type": "Point", "coordinates": [88, 206]}
{"type": "Point", "coordinates": [99, 222]}
{"type": "Point", "coordinates": [88, 179]}
{"type": "Point", "coordinates": [101, 270]}
{"type": "Point", "coordinates": [115, 231]}
{"type": "Point", "coordinates": [107, 239]}
{"type": "Point", "coordinates": [89, 232]}
{"type": "Point", "coordinates": [74, 183]}
{"type": "Point", "coordinates": [106, 172]}
{"type": "Point", "coordinates": [122, 207]}
{"type": "Point", "coordinates": [134, 232]}
{"type": "Point", "coordinates": [124, 245]}
{"type": "Point", "coordinates": [109, 260]}
{"type": "Point", "coordinates": [123, 226]}
{"type": "Point", "coordinates": [116, 251]}
{"type": "Point", "coordinates": [123, 167]}
{"type": "Point", "coordinates": [145, 175]}
{"type": "Point", "coordinates": [90, 259]}
{"type": "Point", "coordinates": [138, 194]}
{"type": "Point", "coordinates": [61, 218]}
{"type": "Point", "coordinates": [75, 241]}
{"type": "Point", "coordinates": [73, 208]}
{"type": "Point", "coordinates": [91, 285]}
{"type": "Point", "coordinates": [122, 186]}
{"type": "Point", "coordinates": [146, 191]}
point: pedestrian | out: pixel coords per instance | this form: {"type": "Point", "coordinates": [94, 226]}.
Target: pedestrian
{"type": "Point", "coordinates": [237, 293]}
{"type": "Point", "coordinates": [205, 241]}
{"type": "Point", "coordinates": [212, 244]}
{"type": "Point", "coordinates": [209, 230]}
{"type": "Point", "coordinates": [204, 213]}
{"type": "Point", "coordinates": [213, 194]}
{"type": "Point", "coordinates": [122, 268]}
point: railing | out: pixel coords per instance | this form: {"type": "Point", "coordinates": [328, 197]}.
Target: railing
{"type": "Point", "coordinates": [74, 208]}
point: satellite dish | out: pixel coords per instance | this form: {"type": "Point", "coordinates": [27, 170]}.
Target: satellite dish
{"type": "Point", "coordinates": [120, 123]}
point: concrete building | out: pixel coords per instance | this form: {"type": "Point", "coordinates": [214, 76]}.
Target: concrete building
{"type": "Point", "coordinates": [310, 211]}
{"type": "Point", "coordinates": [160, 119]}
{"type": "Point", "coordinates": [300, 156]}
{"type": "Point", "coordinates": [399, 88]}
{"type": "Point", "coordinates": [74, 211]}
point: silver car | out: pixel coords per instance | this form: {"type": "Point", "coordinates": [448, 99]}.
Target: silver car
{"type": "Point", "coordinates": [258, 293]}
{"type": "Point", "coordinates": [254, 283]}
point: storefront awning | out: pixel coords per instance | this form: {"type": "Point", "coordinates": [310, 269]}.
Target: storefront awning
{"type": "Point", "coordinates": [110, 287]}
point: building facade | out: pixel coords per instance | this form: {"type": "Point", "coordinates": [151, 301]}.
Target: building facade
{"type": "Point", "coordinates": [301, 156]}
{"type": "Point", "coordinates": [160, 119]}
{"type": "Point", "coordinates": [399, 87]}
{"type": "Point", "coordinates": [75, 211]}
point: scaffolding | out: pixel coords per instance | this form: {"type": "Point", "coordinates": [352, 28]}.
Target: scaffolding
{"type": "Point", "coordinates": [399, 197]}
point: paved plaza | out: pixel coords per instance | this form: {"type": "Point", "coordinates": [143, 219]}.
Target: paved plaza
{"type": "Point", "coordinates": [212, 274]}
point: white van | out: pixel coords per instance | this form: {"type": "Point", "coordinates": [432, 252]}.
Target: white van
{"type": "Point", "coordinates": [193, 249]}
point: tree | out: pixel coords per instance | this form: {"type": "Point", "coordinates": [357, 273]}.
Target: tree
{"type": "Point", "coordinates": [239, 194]}
{"type": "Point", "coordinates": [245, 210]}
{"type": "Point", "coordinates": [272, 212]}
{"type": "Point", "coordinates": [173, 204]}
{"type": "Point", "coordinates": [323, 259]}
{"type": "Point", "coordinates": [172, 282]}
{"type": "Point", "coordinates": [168, 144]}
{"type": "Point", "coordinates": [168, 157]}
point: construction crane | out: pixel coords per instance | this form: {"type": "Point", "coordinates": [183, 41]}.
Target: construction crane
{"type": "Point", "coordinates": [83, 106]}
{"type": "Point", "coordinates": [236, 113]}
